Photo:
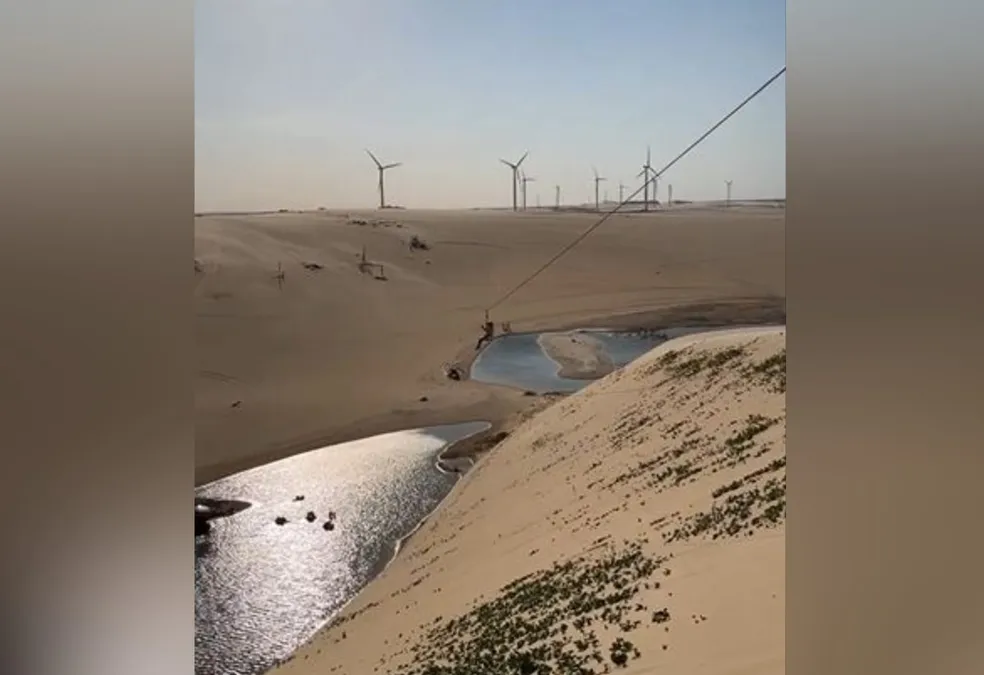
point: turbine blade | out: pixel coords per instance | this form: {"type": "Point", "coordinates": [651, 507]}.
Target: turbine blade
{"type": "Point", "coordinates": [648, 160]}
{"type": "Point", "coordinates": [641, 172]}
{"type": "Point", "coordinates": [393, 165]}
{"type": "Point", "coordinates": [374, 159]}
{"type": "Point", "coordinates": [509, 164]}
{"type": "Point", "coordinates": [522, 158]}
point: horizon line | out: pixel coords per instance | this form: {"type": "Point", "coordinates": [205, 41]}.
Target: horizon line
{"type": "Point", "coordinates": [581, 205]}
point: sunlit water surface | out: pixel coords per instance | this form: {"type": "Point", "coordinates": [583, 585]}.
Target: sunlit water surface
{"type": "Point", "coordinates": [518, 361]}
{"type": "Point", "coordinates": [262, 589]}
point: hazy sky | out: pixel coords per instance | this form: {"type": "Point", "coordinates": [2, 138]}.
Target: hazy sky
{"type": "Point", "coordinates": [289, 93]}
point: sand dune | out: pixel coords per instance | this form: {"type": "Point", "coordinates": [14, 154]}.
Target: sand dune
{"type": "Point", "coordinates": [638, 522]}
{"type": "Point", "coordinates": [328, 354]}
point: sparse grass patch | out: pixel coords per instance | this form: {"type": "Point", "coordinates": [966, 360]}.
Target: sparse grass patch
{"type": "Point", "coordinates": [648, 467]}
{"type": "Point", "coordinates": [683, 471]}
{"type": "Point", "coordinates": [724, 489]}
{"type": "Point", "coordinates": [771, 467]}
{"type": "Point", "coordinates": [772, 371]}
{"type": "Point", "coordinates": [687, 367]}
{"type": "Point", "coordinates": [744, 439]}
{"type": "Point", "coordinates": [714, 361]}
{"type": "Point", "coordinates": [669, 358]}
{"type": "Point", "coordinates": [740, 512]}
{"type": "Point", "coordinates": [721, 358]}
{"type": "Point", "coordinates": [546, 622]}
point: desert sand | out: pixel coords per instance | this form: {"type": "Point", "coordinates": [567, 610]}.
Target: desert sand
{"type": "Point", "coordinates": [328, 354]}
{"type": "Point", "coordinates": [578, 355]}
{"type": "Point", "coordinates": [639, 522]}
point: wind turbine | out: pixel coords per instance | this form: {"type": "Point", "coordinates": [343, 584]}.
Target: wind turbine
{"type": "Point", "coordinates": [621, 192]}
{"type": "Point", "coordinates": [597, 180]}
{"type": "Point", "coordinates": [515, 176]}
{"type": "Point", "coordinates": [646, 168]}
{"type": "Point", "coordinates": [525, 179]}
{"type": "Point", "coordinates": [382, 168]}
{"type": "Point", "coordinates": [557, 197]}
{"type": "Point", "coordinates": [728, 201]}
{"type": "Point", "coordinates": [669, 196]}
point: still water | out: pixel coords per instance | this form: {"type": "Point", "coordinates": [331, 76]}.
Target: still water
{"type": "Point", "coordinates": [262, 589]}
{"type": "Point", "coordinates": [518, 361]}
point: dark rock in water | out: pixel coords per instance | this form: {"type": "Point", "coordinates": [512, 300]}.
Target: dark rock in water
{"type": "Point", "coordinates": [423, 399]}
{"type": "Point", "coordinates": [310, 516]}
{"type": "Point", "coordinates": [202, 527]}
{"type": "Point", "coordinates": [299, 498]}
{"type": "Point", "coordinates": [209, 509]}
{"type": "Point", "coordinates": [280, 520]}
{"type": "Point", "coordinates": [329, 525]}
{"type": "Point", "coordinates": [331, 515]}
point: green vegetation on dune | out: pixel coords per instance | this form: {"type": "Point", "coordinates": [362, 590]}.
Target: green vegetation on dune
{"type": "Point", "coordinates": [552, 621]}
{"type": "Point", "coordinates": [579, 617]}
{"type": "Point", "coordinates": [745, 509]}
{"type": "Point", "coordinates": [677, 366]}
{"type": "Point", "coordinates": [686, 363]}
{"type": "Point", "coordinates": [772, 371]}
{"type": "Point", "coordinates": [739, 443]}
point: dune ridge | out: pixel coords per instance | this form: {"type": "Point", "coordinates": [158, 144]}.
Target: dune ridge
{"type": "Point", "coordinates": [637, 523]}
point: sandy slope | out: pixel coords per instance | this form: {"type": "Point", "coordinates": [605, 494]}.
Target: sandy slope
{"type": "Point", "coordinates": [332, 354]}
{"type": "Point", "coordinates": [665, 480]}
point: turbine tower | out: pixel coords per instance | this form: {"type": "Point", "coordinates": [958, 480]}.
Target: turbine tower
{"type": "Point", "coordinates": [646, 168]}
{"type": "Point", "coordinates": [557, 197]}
{"type": "Point", "coordinates": [515, 176]}
{"type": "Point", "coordinates": [621, 192]}
{"type": "Point", "coordinates": [382, 167]}
{"type": "Point", "coordinates": [727, 201]}
{"type": "Point", "coordinates": [597, 180]}
{"type": "Point", "coordinates": [669, 195]}
{"type": "Point", "coordinates": [524, 179]}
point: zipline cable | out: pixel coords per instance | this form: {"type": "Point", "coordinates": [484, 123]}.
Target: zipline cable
{"type": "Point", "coordinates": [654, 178]}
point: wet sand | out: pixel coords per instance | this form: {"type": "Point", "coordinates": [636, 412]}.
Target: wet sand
{"type": "Point", "coordinates": [579, 356]}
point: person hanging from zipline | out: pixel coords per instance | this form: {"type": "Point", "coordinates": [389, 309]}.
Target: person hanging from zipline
{"type": "Point", "coordinates": [488, 332]}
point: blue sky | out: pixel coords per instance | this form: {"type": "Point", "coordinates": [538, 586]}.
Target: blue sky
{"type": "Point", "coordinates": [289, 93]}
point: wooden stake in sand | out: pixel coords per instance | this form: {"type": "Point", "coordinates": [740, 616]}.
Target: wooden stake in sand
{"type": "Point", "coordinates": [280, 276]}
{"type": "Point", "coordinates": [366, 267]}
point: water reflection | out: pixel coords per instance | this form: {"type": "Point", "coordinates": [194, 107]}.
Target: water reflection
{"type": "Point", "coordinates": [518, 361]}
{"type": "Point", "coordinates": [261, 588]}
